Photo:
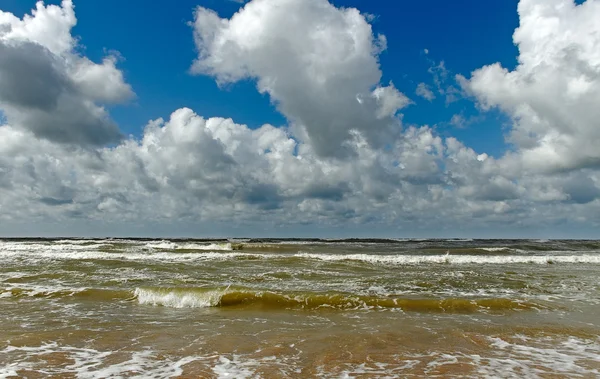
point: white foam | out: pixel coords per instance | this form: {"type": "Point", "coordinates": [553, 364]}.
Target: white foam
{"type": "Point", "coordinates": [26, 246]}
{"type": "Point", "coordinates": [211, 247]}
{"type": "Point", "coordinates": [375, 369]}
{"type": "Point", "coordinates": [493, 249]}
{"type": "Point", "coordinates": [213, 252]}
{"type": "Point", "coordinates": [526, 358]}
{"type": "Point", "coordinates": [454, 259]}
{"type": "Point", "coordinates": [32, 290]}
{"type": "Point", "coordinates": [141, 362]}
{"type": "Point", "coordinates": [132, 255]}
{"type": "Point", "coordinates": [178, 299]}
{"type": "Point", "coordinates": [162, 245]}
{"type": "Point", "coordinates": [94, 245]}
{"type": "Point", "coordinates": [516, 357]}
{"type": "Point", "coordinates": [547, 357]}
{"type": "Point", "coordinates": [235, 368]}
{"type": "Point", "coordinates": [247, 366]}
{"type": "Point", "coordinates": [168, 245]}
{"type": "Point", "coordinates": [90, 363]}
{"type": "Point", "coordinates": [74, 242]}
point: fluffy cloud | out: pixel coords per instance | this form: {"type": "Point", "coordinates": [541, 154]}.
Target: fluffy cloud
{"type": "Point", "coordinates": [48, 88]}
{"type": "Point", "coordinates": [202, 163]}
{"type": "Point", "coordinates": [209, 169]}
{"type": "Point", "coordinates": [192, 169]}
{"type": "Point", "coordinates": [318, 63]}
{"type": "Point", "coordinates": [553, 94]}
{"type": "Point", "coordinates": [327, 83]}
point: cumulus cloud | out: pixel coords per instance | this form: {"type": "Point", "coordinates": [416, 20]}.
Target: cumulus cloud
{"type": "Point", "coordinates": [553, 94]}
{"type": "Point", "coordinates": [214, 166]}
{"type": "Point", "coordinates": [322, 71]}
{"type": "Point", "coordinates": [192, 169]}
{"type": "Point", "coordinates": [48, 88]}
{"type": "Point", "coordinates": [318, 63]}
{"type": "Point", "coordinates": [189, 166]}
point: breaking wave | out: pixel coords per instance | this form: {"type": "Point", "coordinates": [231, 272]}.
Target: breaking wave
{"type": "Point", "coordinates": [168, 245]}
{"type": "Point", "coordinates": [454, 259]}
{"type": "Point", "coordinates": [205, 298]}
{"type": "Point", "coordinates": [196, 297]}
{"type": "Point", "coordinates": [207, 254]}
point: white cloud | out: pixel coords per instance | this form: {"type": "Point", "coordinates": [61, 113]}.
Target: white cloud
{"type": "Point", "coordinates": [343, 160]}
{"type": "Point", "coordinates": [101, 82]}
{"type": "Point", "coordinates": [194, 170]}
{"type": "Point", "coordinates": [48, 88]}
{"type": "Point", "coordinates": [318, 63]}
{"type": "Point", "coordinates": [425, 92]}
{"type": "Point", "coordinates": [461, 122]}
{"type": "Point", "coordinates": [210, 169]}
{"type": "Point", "coordinates": [553, 94]}
{"type": "Point", "coordinates": [441, 79]}
{"type": "Point", "coordinates": [49, 26]}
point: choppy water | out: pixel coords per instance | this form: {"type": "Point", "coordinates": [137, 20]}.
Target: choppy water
{"type": "Point", "coordinates": [293, 308]}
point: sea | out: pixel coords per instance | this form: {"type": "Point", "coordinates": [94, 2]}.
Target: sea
{"type": "Point", "coordinates": [273, 308]}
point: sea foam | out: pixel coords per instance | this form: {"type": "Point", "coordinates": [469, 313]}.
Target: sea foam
{"type": "Point", "coordinates": [91, 363]}
{"type": "Point", "coordinates": [453, 259]}
{"type": "Point", "coordinates": [174, 298]}
{"type": "Point", "coordinates": [168, 245]}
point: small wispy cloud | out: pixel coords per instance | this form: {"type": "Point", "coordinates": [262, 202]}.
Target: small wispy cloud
{"type": "Point", "coordinates": [425, 92]}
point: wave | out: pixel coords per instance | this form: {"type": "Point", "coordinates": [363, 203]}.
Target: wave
{"type": "Point", "coordinates": [478, 250]}
{"type": "Point", "coordinates": [454, 259]}
{"type": "Point", "coordinates": [168, 245]}
{"type": "Point", "coordinates": [110, 254]}
{"type": "Point", "coordinates": [226, 297]}
{"type": "Point", "coordinates": [94, 294]}
{"type": "Point", "coordinates": [494, 249]}
{"type": "Point", "coordinates": [189, 255]}
{"type": "Point", "coordinates": [83, 241]}
{"type": "Point", "coordinates": [34, 247]}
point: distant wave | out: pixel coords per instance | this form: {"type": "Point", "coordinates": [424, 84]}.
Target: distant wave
{"type": "Point", "coordinates": [35, 247]}
{"type": "Point", "coordinates": [494, 249]}
{"type": "Point", "coordinates": [168, 245]}
{"type": "Point", "coordinates": [455, 259]}
{"type": "Point", "coordinates": [186, 253]}
{"type": "Point", "coordinates": [162, 256]}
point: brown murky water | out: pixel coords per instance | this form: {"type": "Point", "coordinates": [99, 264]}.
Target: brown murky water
{"type": "Point", "coordinates": [272, 309]}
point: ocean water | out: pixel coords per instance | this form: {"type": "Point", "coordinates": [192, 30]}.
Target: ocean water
{"type": "Point", "coordinates": [111, 308]}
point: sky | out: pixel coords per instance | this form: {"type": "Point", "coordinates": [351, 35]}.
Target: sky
{"type": "Point", "coordinates": [300, 118]}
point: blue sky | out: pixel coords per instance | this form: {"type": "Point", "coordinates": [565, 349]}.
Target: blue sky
{"type": "Point", "coordinates": [476, 119]}
{"type": "Point", "coordinates": [157, 47]}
